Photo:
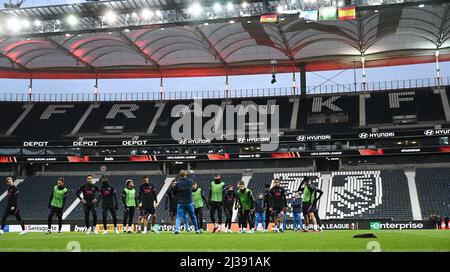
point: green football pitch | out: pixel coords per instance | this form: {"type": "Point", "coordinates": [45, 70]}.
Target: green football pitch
{"type": "Point", "coordinates": [387, 240]}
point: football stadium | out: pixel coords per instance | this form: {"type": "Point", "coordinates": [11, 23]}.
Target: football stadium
{"type": "Point", "coordinates": [360, 166]}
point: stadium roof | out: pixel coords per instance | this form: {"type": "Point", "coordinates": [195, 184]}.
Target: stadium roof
{"type": "Point", "coordinates": [175, 44]}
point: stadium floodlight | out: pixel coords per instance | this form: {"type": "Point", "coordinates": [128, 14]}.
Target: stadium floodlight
{"type": "Point", "coordinates": [280, 9]}
{"type": "Point", "coordinates": [195, 9]}
{"type": "Point", "coordinates": [158, 13]}
{"type": "Point", "coordinates": [146, 14]}
{"type": "Point", "coordinates": [134, 15]}
{"type": "Point", "coordinates": [273, 63]}
{"type": "Point", "coordinates": [230, 6]}
{"type": "Point", "coordinates": [37, 23]}
{"type": "Point", "coordinates": [340, 3]}
{"type": "Point", "coordinates": [72, 20]}
{"type": "Point", "coordinates": [127, 30]}
{"type": "Point", "coordinates": [244, 4]}
{"type": "Point", "coordinates": [110, 17]}
{"type": "Point", "coordinates": [421, 5]}
{"type": "Point", "coordinates": [436, 54]}
{"type": "Point", "coordinates": [26, 23]}
{"type": "Point", "coordinates": [232, 22]}
{"type": "Point", "coordinates": [13, 24]}
{"type": "Point", "coordinates": [206, 23]}
{"type": "Point", "coordinates": [217, 7]}
{"type": "Point", "coordinates": [274, 79]}
{"type": "Point", "coordinates": [58, 22]}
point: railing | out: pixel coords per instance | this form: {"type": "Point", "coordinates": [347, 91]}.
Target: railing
{"type": "Point", "coordinates": [380, 85]}
{"type": "Point", "coordinates": [261, 92]}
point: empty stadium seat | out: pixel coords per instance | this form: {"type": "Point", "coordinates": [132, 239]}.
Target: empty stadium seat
{"type": "Point", "coordinates": [433, 189]}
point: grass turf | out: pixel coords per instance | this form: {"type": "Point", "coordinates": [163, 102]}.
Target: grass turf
{"type": "Point", "coordinates": [389, 240]}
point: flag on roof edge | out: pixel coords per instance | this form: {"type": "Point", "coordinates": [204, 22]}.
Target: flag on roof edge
{"type": "Point", "coordinates": [347, 13]}
{"type": "Point", "coordinates": [268, 18]}
{"type": "Point", "coordinates": [327, 13]}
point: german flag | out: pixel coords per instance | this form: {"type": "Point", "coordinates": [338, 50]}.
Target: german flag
{"type": "Point", "coordinates": [268, 18]}
{"type": "Point", "coordinates": [347, 13]}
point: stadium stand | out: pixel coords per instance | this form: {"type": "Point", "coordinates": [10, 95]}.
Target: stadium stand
{"type": "Point", "coordinates": [166, 120]}
{"type": "Point", "coordinates": [369, 195]}
{"type": "Point", "coordinates": [433, 189]}
{"type": "Point", "coordinates": [385, 105]}
{"type": "Point", "coordinates": [57, 121]}
{"type": "Point", "coordinates": [10, 112]}
{"type": "Point", "coordinates": [337, 113]}
{"type": "Point", "coordinates": [254, 166]}
{"type": "Point", "coordinates": [133, 117]}
{"type": "Point", "coordinates": [284, 107]}
{"type": "Point", "coordinates": [325, 114]}
{"type": "Point", "coordinates": [96, 167]}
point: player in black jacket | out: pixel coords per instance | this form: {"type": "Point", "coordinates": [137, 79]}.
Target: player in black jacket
{"type": "Point", "coordinates": [147, 199]}
{"type": "Point", "coordinates": [278, 204]}
{"type": "Point", "coordinates": [229, 201]}
{"type": "Point", "coordinates": [11, 206]}
{"type": "Point", "coordinates": [109, 202]}
{"type": "Point", "coordinates": [89, 200]}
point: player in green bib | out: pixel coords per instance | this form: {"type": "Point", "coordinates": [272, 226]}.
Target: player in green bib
{"type": "Point", "coordinates": [56, 204]}
{"type": "Point", "coordinates": [129, 202]}
{"type": "Point", "coordinates": [199, 201]}
{"type": "Point", "coordinates": [245, 206]}
{"type": "Point", "coordinates": [216, 201]}
{"type": "Point", "coordinates": [309, 203]}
